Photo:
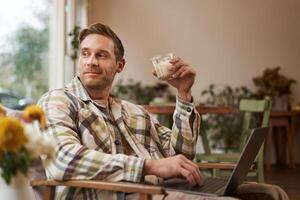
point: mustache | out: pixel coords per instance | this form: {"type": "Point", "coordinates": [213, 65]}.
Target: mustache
{"type": "Point", "coordinates": [95, 72]}
{"type": "Point", "coordinates": [91, 70]}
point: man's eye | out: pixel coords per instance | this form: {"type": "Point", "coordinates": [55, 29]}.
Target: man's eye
{"type": "Point", "coordinates": [102, 55]}
{"type": "Point", "coordinates": [84, 53]}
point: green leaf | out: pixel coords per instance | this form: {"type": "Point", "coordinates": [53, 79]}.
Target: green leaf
{"type": "Point", "coordinates": [12, 163]}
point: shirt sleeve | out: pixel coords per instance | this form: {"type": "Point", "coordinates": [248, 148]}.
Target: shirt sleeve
{"type": "Point", "coordinates": [182, 138]}
{"type": "Point", "coordinates": [75, 161]}
{"type": "Point", "coordinates": [185, 128]}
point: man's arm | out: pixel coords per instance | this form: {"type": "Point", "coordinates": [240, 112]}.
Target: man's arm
{"type": "Point", "coordinates": [185, 128]}
{"type": "Point", "coordinates": [182, 138]}
{"type": "Point", "coordinates": [184, 131]}
{"type": "Point", "coordinates": [75, 161]}
{"type": "Point", "coordinates": [186, 119]}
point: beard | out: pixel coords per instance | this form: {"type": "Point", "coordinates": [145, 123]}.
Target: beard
{"type": "Point", "coordinates": [101, 83]}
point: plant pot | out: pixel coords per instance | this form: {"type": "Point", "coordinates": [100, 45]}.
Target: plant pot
{"type": "Point", "coordinates": [281, 103]}
{"type": "Point", "coordinates": [18, 189]}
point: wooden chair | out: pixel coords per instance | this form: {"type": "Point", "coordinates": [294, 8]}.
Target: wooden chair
{"type": "Point", "coordinates": [145, 190]}
{"type": "Point", "coordinates": [249, 107]}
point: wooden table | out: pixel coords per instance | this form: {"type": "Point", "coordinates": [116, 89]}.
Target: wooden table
{"type": "Point", "coordinates": [285, 143]}
{"type": "Point", "coordinates": [169, 109]}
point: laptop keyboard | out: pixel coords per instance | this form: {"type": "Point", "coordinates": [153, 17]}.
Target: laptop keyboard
{"type": "Point", "coordinates": [211, 185]}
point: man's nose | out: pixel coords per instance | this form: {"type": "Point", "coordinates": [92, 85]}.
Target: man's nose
{"type": "Point", "coordinates": [92, 61]}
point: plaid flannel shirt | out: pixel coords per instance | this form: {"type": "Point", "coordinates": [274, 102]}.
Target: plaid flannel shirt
{"type": "Point", "coordinates": [89, 138]}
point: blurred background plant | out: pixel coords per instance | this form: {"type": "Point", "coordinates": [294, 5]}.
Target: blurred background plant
{"type": "Point", "coordinates": [224, 131]}
{"type": "Point", "coordinates": [272, 83]}
{"type": "Point", "coordinates": [74, 34]}
{"type": "Point", "coordinates": [24, 51]}
{"type": "Point", "coordinates": [135, 92]}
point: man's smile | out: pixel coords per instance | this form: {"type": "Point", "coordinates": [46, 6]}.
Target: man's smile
{"type": "Point", "coordinates": [92, 73]}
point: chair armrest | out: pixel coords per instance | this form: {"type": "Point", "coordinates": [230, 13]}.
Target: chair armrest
{"type": "Point", "coordinates": [103, 185]}
{"type": "Point", "coordinates": [144, 190]}
{"type": "Point", "coordinates": [220, 166]}
{"type": "Point", "coordinates": [216, 165]}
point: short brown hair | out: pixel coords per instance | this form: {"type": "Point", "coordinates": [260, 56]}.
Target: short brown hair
{"type": "Point", "coordinates": [106, 31]}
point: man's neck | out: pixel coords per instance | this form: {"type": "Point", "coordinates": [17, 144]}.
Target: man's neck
{"type": "Point", "coordinates": [99, 95]}
{"type": "Point", "coordinates": [102, 103]}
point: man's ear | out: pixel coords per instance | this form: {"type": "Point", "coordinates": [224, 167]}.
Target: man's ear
{"type": "Point", "coordinates": [121, 63]}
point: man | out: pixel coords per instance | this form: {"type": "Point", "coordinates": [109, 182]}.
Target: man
{"type": "Point", "coordinates": [104, 138]}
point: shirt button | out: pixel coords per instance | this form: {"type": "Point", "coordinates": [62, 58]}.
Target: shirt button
{"type": "Point", "coordinates": [117, 142]}
{"type": "Point", "coordinates": [189, 109]}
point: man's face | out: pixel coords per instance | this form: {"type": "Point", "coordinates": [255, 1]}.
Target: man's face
{"type": "Point", "coordinates": [97, 62]}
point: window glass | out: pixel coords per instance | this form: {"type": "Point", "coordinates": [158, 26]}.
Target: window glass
{"type": "Point", "coordinates": [24, 50]}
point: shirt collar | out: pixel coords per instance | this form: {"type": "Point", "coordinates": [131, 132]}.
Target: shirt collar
{"type": "Point", "coordinates": [76, 87]}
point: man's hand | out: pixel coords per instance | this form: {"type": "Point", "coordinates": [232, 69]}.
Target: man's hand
{"type": "Point", "coordinates": [183, 78]}
{"type": "Point", "coordinates": [177, 166]}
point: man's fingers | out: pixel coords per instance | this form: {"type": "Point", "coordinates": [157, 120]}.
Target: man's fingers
{"type": "Point", "coordinates": [175, 60]}
{"type": "Point", "coordinates": [187, 170]}
{"type": "Point", "coordinates": [198, 170]}
{"type": "Point", "coordinates": [194, 172]}
{"type": "Point", "coordinates": [191, 163]}
{"type": "Point", "coordinates": [179, 72]}
{"type": "Point", "coordinates": [186, 174]}
{"type": "Point", "coordinates": [178, 65]}
{"type": "Point", "coordinates": [186, 72]}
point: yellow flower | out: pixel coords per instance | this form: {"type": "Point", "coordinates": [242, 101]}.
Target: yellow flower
{"type": "Point", "coordinates": [2, 111]}
{"type": "Point", "coordinates": [34, 112]}
{"type": "Point", "coordinates": [12, 136]}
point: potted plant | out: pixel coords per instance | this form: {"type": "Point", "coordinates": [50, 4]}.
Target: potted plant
{"type": "Point", "coordinates": [22, 142]}
{"type": "Point", "coordinates": [275, 85]}
{"type": "Point", "coordinates": [223, 131]}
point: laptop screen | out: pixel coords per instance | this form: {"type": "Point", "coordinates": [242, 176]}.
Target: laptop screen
{"type": "Point", "coordinates": [247, 158]}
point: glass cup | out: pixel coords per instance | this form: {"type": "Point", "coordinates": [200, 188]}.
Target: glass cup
{"type": "Point", "coordinates": [162, 66]}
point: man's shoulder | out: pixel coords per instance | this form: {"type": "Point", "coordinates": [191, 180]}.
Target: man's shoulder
{"type": "Point", "coordinates": [54, 93]}
{"type": "Point", "coordinates": [58, 95]}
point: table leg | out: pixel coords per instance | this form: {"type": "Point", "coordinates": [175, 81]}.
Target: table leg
{"type": "Point", "coordinates": [268, 148]}
{"type": "Point", "coordinates": [291, 143]}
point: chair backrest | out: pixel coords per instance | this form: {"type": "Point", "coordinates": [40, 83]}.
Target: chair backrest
{"type": "Point", "coordinates": [249, 107]}
{"type": "Point", "coordinates": [205, 141]}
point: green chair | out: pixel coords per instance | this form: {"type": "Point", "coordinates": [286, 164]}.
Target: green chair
{"type": "Point", "coordinates": [248, 107]}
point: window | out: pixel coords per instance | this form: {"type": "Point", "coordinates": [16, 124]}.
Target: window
{"type": "Point", "coordinates": [24, 47]}
{"type": "Point", "coordinates": [67, 15]}
{"type": "Point", "coordinates": [35, 50]}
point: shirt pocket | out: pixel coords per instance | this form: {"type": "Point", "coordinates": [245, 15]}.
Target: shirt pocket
{"type": "Point", "coordinates": [139, 127]}
{"type": "Point", "coordinates": [94, 131]}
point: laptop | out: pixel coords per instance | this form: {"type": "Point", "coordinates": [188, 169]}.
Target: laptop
{"type": "Point", "coordinates": [214, 186]}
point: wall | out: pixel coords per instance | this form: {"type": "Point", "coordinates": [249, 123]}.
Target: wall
{"type": "Point", "coordinates": [228, 42]}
